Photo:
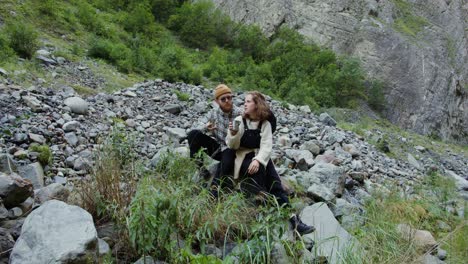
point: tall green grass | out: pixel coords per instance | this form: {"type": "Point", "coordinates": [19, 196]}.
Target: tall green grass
{"type": "Point", "coordinates": [383, 212]}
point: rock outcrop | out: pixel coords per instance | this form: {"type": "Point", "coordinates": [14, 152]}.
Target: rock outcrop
{"type": "Point", "coordinates": [417, 48]}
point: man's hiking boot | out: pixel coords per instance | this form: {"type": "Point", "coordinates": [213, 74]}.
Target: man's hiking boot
{"type": "Point", "coordinates": [299, 226]}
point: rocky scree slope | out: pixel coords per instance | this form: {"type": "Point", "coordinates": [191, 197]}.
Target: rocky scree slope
{"type": "Point", "coordinates": [333, 166]}
{"type": "Point", "coordinates": [417, 48]}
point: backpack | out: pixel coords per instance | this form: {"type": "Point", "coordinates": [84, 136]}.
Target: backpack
{"type": "Point", "coordinates": [272, 120]}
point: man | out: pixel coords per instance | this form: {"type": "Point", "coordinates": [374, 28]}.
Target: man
{"type": "Point", "coordinates": [217, 122]}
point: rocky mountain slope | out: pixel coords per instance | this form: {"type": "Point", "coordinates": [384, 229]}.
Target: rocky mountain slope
{"type": "Point", "coordinates": [331, 165]}
{"type": "Point", "coordinates": [417, 48]}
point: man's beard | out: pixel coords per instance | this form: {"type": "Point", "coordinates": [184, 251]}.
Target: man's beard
{"type": "Point", "coordinates": [226, 108]}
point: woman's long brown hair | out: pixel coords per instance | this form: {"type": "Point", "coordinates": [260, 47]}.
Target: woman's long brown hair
{"type": "Point", "coordinates": [263, 109]}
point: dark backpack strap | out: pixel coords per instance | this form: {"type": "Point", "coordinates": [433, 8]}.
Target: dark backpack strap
{"type": "Point", "coordinates": [245, 124]}
{"type": "Point", "coordinates": [260, 125]}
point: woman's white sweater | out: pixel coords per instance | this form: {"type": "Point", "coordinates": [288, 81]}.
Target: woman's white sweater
{"type": "Point", "coordinates": [262, 154]}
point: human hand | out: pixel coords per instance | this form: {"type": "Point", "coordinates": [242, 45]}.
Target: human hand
{"type": "Point", "coordinates": [231, 129]}
{"type": "Point", "coordinates": [253, 167]}
{"type": "Point", "coordinates": [211, 126]}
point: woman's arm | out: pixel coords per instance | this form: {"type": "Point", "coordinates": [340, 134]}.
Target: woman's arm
{"type": "Point", "coordinates": [233, 141]}
{"type": "Point", "coordinates": [266, 144]}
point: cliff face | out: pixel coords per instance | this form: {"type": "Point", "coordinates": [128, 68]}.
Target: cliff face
{"type": "Point", "coordinates": [417, 47]}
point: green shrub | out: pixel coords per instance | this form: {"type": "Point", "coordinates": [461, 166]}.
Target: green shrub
{"type": "Point", "coordinates": [376, 95]}
{"type": "Point", "coordinates": [112, 51]}
{"type": "Point", "coordinates": [201, 25]}
{"type": "Point", "coordinates": [182, 96]}
{"type": "Point", "coordinates": [163, 9]}
{"type": "Point", "coordinates": [22, 38]}
{"type": "Point", "coordinates": [6, 52]}
{"type": "Point", "coordinates": [140, 19]}
{"type": "Point", "coordinates": [251, 41]}
{"type": "Point", "coordinates": [174, 65]}
{"type": "Point", "coordinates": [45, 155]}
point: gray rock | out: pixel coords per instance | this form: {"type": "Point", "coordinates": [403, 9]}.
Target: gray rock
{"type": "Point", "coordinates": [37, 138]}
{"type": "Point", "coordinates": [14, 190]}
{"type": "Point", "coordinates": [54, 191]}
{"type": "Point", "coordinates": [77, 105]}
{"type": "Point", "coordinates": [312, 147]}
{"type": "Point", "coordinates": [429, 259]}
{"type": "Point", "coordinates": [331, 176]}
{"type": "Point", "coordinates": [285, 141]}
{"type": "Point", "coordinates": [104, 248]}
{"type": "Point", "coordinates": [34, 173]}
{"type": "Point", "coordinates": [422, 239]}
{"type": "Point", "coordinates": [130, 94]}
{"type": "Point", "coordinates": [45, 60]}
{"type": "Point", "coordinates": [20, 138]}
{"type": "Point", "coordinates": [304, 159]}
{"type": "Point", "coordinates": [176, 133]}
{"type": "Point", "coordinates": [351, 149]}
{"type": "Point", "coordinates": [413, 162]}
{"type": "Point", "coordinates": [320, 193]}
{"type": "Point", "coordinates": [6, 164]}
{"type": "Point", "coordinates": [145, 260]}
{"type": "Point", "coordinates": [56, 233]}
{"type": "Point", "coordinates": [71, 139]}
{"type": "Point", "coordinates": [173, 108]}
{"type": "Point", "coordinates": [279, 254]}
{"type": "Point", "coordinates": [441, 254]}
{"type": "Point", "coordinates": [3, 211]}
{"type": "Point", "coordinates": [327, 119]}
{"type": "Point", "coordinates": [33, 103]}
{"type": "Point", "coordinates": [331, 240]}
{"type": "Point", "coordinates": [15, 212]}
{"type": "Point", "coordinates": [71, 126]}
{"type": "Point", "coordinates": [6, 241]}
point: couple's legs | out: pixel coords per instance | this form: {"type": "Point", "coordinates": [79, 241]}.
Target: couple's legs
{"type": "Point", "coordinates": [197, 140]}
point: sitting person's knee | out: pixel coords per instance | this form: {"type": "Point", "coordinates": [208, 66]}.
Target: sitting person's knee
{"type": "Point", "coordinates": [192, 134]}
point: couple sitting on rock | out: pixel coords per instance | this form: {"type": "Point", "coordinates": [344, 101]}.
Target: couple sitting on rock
{"type": "Point", "coordinates": [242, 141]}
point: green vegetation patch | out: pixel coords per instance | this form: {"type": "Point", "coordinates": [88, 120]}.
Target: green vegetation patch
{"type": "Point", "coordinates": [407, 22]}
{"type": "Point", "coordinates": [45, 156]}
{"type": "Point", "coordinates": [425, 210]}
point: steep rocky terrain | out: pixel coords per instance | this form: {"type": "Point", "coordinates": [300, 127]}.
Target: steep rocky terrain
{"type": "Point", "coordinates": [417, 48]}
{"type": "Point", "coordinates": [331, 165]}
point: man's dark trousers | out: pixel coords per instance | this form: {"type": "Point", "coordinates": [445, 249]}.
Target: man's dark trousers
{"type": "Point", "coordinates": [197, 140]}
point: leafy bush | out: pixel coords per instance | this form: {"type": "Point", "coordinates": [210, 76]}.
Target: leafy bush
{"type": "Point", "coordinates": [5, 51]}
{"type": "Point", "coordinates": [174, 65]}
{"type": "Point", "coordinates": [22, 38]}
{"type": "Point", "coordinates": [251, 41]}
{"type": "Point", "coordinates": [45, 155]}
{"type": "Point", "coordinates": [201, 25]}
{"type": "Point", "coordinates": [376, 95]}
{"type": "Point", "coordinates": [112, 51]}
{"type": "Point", "coordinates": [140, 19]}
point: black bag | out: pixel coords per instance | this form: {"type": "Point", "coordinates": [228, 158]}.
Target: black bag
{"type": "Point", "coordinates": [272, 120]}
{"type": "Point", "coordinates": [251, 137]}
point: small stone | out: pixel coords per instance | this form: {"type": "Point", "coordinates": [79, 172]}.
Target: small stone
{"type": "Point", "coordinates": [70, 126]}
{"type": "Point", "coordinates": [441, 254]}
{"type": "Point", "coordinates": [130, 94]}
{"type": "Point", "coordinates": [77, 105]}
{"type": "Point", "coordinates": [15, 212]}
{"type": "Point", "coordinates": [37, 138]}
{"type": "Point", "coordinates": [173, 108]}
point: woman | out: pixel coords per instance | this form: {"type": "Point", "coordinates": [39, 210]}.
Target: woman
{"type": "Point", "coordinates": [252, 138]}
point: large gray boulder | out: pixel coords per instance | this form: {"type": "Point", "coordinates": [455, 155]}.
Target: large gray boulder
{"type": "Point", "coordinates": [326, 174]}
{"type": "Point", "coordinates": [331, 240]}
{"type": "Point", "coordinates": [14, 190]}
{"type": "Point", "coordinates": [77, 105]}
{"type": "Point", "coordinates": [56, 233]}
{"type": "Point", "coordinates": [424, 65]}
